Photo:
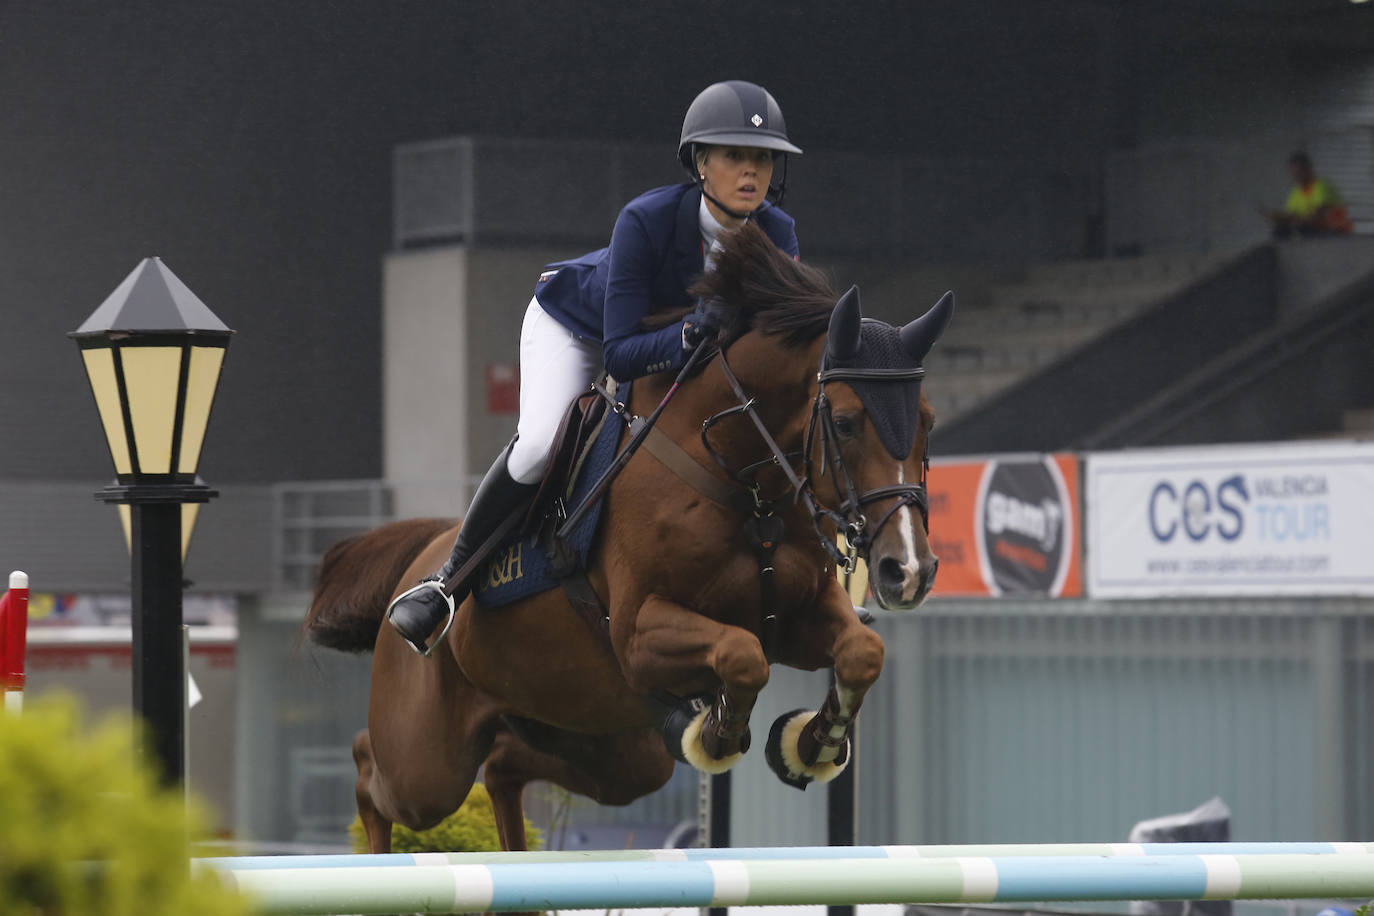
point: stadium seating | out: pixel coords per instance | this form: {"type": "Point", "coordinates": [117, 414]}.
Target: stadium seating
{"type": "Point", "coordinates": [1020, 325]}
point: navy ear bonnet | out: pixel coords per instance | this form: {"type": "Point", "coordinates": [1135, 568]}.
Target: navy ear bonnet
{"type": "Point", "coordinates": [874, 348]}
{"type": "Point", "coordinates": [893, 406]}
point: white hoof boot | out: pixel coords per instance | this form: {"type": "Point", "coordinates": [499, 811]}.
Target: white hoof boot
{"type": "Point", "coordinates": [695, 754]}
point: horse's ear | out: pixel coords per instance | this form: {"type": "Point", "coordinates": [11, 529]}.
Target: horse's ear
{"type": "Point", "coordinates": [843, 341]}
{"type": "Point", "coordinates": [920, 335]}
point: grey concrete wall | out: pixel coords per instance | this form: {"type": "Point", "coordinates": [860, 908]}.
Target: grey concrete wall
{"type": "Point", "coordinates": [67, 541]}
{"type": "Point", "coordinates": [425, 378]}
{"type": "Point", "coordinates": [1312, 270]}
{"type": "Point", "coordinates": [449, 314]}
{"type": "Point", "coordinates": [500, 285]}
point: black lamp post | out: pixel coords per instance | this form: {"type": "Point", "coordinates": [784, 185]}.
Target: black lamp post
{"type": "Point", "coordinates": [153, 353]}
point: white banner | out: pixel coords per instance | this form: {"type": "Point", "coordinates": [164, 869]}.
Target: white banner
{"type": "Point", "coordinates": [1284, 518]}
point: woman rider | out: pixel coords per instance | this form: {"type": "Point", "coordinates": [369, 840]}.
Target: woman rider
{"type": "Point", "coordinates": [587, 314]}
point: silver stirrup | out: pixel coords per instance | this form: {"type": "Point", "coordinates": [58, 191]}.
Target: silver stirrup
{"type": "Point", "coordinates": [438, 586]}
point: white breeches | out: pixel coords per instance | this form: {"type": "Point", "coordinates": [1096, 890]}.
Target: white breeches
{"type": "Point", "coordinates": [555, 367]}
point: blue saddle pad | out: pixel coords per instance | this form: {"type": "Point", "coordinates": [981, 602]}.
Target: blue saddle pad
{"type": "Point", "coordinates": [521, 568]}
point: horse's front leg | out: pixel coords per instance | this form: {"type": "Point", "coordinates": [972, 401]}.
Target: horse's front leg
{"type": "Point", "coordinates": [809, 745]}
{"type": "Point", "coordinates": [669, 647]}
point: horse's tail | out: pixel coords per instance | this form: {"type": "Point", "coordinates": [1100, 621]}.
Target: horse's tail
{"type": "Point", "coordinates": [356, 579]}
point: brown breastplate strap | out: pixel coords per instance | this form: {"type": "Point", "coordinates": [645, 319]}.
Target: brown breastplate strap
{"type": "Point", "coordinates": [763, 529]}
{"type": "Point", "coordinates": [722, 492]}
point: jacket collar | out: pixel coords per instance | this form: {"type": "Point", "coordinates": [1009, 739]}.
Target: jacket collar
{"type": "Point", "coordinates": [687, 235]}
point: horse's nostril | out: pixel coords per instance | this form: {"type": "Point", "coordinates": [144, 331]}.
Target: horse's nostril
{"type": "Point", "coordinates": [890, 573]}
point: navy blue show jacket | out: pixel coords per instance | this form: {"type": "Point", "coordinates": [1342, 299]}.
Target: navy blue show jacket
{"type": "Point", "coordinates": [654, 256]}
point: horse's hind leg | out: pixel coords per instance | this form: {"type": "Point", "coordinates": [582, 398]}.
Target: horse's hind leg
{"type": "Point", "coordinates": [429, 730]}
{"type": "Point", "coordinates": [510, 767]}
{"type": "Point", "coordinates": [806, 745]}
{"type": "Point", "coordinates": [377, 828]}
{"type": "Point", "coordinates": [613, 769]}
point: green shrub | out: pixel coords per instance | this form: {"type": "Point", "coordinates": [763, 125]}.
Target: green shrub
{"type": "Point", "coordinates": [472, 828]}
{"type": "Point", "coordinates": [85, 828]}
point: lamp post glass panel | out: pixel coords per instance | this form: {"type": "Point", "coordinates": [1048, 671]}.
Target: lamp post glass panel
{"type": "Point", "coordinates": [153, 353]}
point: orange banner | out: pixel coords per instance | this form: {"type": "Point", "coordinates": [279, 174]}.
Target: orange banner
{"type": "Point", "coordinates": [1007, 526]}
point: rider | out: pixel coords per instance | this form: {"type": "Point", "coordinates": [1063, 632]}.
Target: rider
{"type": "Point", "coordinates": [587, 313]}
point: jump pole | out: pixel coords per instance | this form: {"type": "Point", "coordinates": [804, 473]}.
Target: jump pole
{"type": "Point", "coordinates": [14, 623]}
{"type": "Point", "coordinates": [997, 850]}
{"type": "Point", "coordinates": [446, 888]}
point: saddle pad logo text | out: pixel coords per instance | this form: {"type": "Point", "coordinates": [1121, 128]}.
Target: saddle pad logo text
{"type": "Point", "coordinates": [504, 567]}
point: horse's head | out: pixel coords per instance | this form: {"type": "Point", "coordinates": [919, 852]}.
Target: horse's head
{"type": "Point", "coordinates": [864, 444]}
{"type": "Point", "coordinates": [868, 444]}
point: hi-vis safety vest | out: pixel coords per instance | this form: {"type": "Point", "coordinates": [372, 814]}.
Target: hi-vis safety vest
{"type": "Point", "coordinates": [1305, 202]}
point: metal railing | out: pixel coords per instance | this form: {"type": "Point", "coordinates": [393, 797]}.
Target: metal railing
{"type": "Point", "coordinates": [309, 517]}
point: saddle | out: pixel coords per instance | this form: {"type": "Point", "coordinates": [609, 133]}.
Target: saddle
{"type": "Point", "coordinates": [581, 421]}
{"type": "Point", "coordinates": [530, 557]}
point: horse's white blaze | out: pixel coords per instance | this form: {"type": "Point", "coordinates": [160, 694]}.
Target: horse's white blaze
{"type": "Point", "coordinates": [911, 567]}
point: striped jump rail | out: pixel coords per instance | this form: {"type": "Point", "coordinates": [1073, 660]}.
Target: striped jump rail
{"type": "Point", "coordinates": [599, 881]}
{"type": "Point", "coordinates": [395, 859]}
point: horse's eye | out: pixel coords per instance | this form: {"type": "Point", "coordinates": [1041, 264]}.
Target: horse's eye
{"type": "Point", "coordinates": [847, 425]}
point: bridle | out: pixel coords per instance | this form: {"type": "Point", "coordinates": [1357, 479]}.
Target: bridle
{"type": "Point", "coordinates": [849, 517]}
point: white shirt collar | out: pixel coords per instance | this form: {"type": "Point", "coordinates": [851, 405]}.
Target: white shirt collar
{"type": "Point", "coordinates": [710, 231]}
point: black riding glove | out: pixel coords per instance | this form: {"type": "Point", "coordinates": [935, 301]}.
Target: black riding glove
{"type": "Point", "coordinates": [700, 326]}
{"type": "Point", "coordinates": [697, 329]}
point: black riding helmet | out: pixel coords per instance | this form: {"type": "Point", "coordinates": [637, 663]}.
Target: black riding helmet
{"type": "Point", "coordinates": [735, 113]}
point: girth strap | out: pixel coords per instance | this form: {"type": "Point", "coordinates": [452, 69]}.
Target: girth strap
{"type": "Point", "coordinates": [577, 587]}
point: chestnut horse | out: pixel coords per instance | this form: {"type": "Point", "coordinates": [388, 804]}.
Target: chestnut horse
{"type": "Point", "coordinates": [715, 557]}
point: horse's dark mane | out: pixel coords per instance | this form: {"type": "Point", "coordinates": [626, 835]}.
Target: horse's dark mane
{"type": "Point", "coordinates": [761, 288]}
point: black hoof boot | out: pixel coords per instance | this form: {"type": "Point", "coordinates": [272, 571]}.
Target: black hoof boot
{"type": "Point", "coordinates": [675, 723]}
{"type": "Point", "coordinates": [772, 753]}
{"type": "Point", "coordinates": [415, 614]}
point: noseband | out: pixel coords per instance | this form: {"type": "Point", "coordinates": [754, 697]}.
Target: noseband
{"type": "Point", "coordinates": [848, 517]}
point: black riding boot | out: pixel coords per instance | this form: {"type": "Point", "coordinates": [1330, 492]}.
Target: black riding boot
{"type": "Point", "coordinates": [417, 612]}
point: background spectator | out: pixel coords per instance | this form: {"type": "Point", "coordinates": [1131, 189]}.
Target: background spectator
{"type": "Point", "coordinates": [1314, 205]}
